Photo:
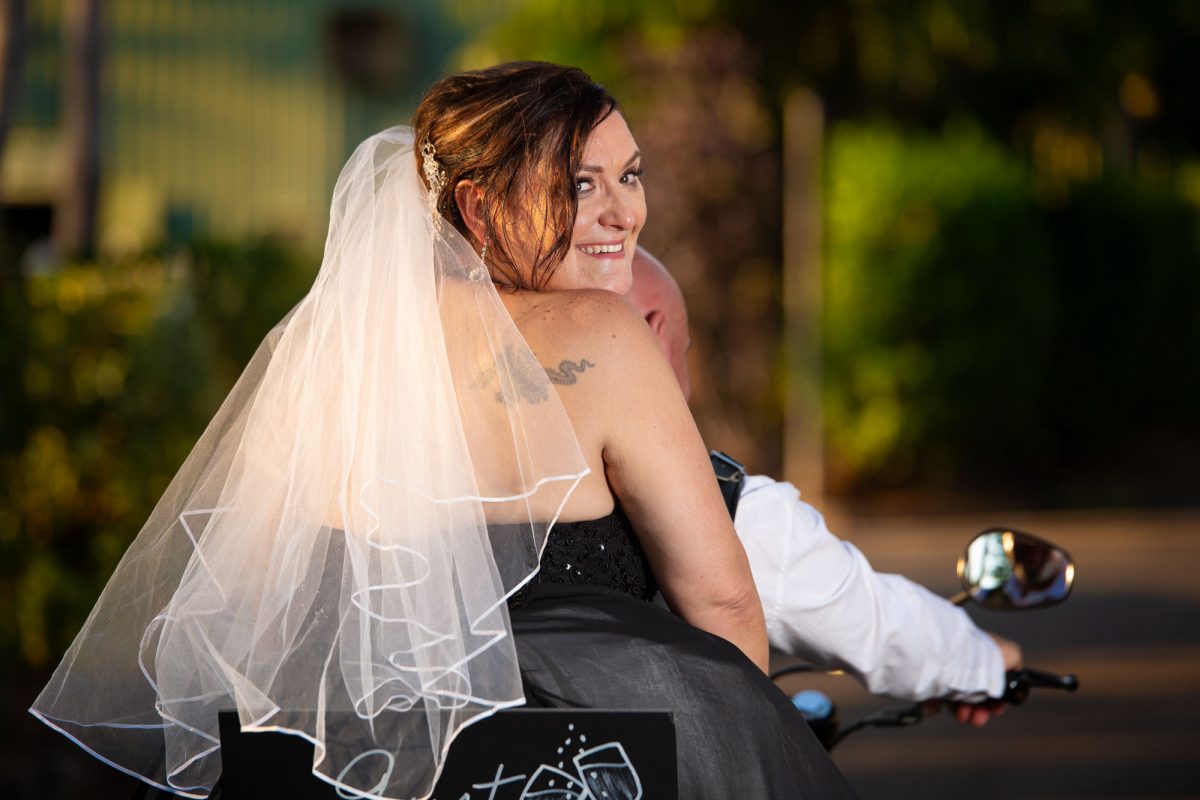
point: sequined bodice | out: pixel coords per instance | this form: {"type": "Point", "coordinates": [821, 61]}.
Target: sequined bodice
{"type": "Point", "coordinates": [600, 552]}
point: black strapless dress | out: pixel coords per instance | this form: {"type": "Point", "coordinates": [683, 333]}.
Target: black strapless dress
{"type": "Point", "coordinates": [588, 637]}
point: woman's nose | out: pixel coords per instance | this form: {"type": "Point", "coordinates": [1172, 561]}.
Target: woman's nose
{"type": "Point", "coordinates": [619, 212]}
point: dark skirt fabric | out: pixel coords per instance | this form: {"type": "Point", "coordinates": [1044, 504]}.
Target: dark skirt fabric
{"type": "Point", "coordinates": [737, 735]}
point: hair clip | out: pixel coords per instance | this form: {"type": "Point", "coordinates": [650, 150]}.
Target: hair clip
{"type": "Point", "coordinates": [435, 178]}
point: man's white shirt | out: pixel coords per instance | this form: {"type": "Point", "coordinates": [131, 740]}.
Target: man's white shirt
{"type": "Point", "coordinates": [824, 603]}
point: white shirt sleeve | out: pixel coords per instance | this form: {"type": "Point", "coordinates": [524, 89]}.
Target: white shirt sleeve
{"type": "Point", "coordinates": [824, 602]}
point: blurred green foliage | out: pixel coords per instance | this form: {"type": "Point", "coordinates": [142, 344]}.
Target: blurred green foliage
{"type": "Point", "coordinates": [121, 366]}
{"type": "Point", "coordinates": [938, 294]}
{"type": "Point", "coordinates": [986, 332]}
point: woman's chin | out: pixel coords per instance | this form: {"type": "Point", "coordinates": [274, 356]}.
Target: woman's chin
{"type": "Point", "coordinates": [620, 281]}
{"type": "Point", "coordinates": [615, 275]}
{"type": "Point", "coordinates": [616, 283]}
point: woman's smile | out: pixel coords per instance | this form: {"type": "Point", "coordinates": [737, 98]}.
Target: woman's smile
{"type": "Point", "coordinates": [612, 250]}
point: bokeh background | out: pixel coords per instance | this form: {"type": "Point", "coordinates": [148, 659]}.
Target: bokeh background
{"type": "Point", "coordinates": [942, 260]}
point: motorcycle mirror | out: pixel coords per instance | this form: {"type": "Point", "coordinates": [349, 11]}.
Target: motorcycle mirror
{"type": "Point", "coordinates": [1004, 568]}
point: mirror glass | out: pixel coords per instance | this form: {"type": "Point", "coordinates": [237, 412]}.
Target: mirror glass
{"type": "Point", "coordinates": [1011, 569]}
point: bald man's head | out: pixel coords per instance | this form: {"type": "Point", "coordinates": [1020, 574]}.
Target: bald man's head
{"type": "Point", "coordinates": [657, 297]}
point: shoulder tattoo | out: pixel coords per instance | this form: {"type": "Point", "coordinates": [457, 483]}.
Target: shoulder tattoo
{"type": "Point", "coordinates": [524, 375]}
{"type": "Point", "coordinates": [567, 371]}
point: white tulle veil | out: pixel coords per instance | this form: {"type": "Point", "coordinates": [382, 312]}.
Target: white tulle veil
{"type": "Point", "coordinates": [323, 562]}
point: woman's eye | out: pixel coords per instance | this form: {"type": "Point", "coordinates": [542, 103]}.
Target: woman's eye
{"type": "Point", "coordinates": [633, 176]}
{"type": "Point", "coordinates": [583, 186]}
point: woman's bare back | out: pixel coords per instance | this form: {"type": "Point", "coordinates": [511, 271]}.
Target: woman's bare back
{"type": "Point", "coordinates": [561, 329]}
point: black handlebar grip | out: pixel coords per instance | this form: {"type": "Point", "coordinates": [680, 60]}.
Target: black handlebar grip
{"type": "Point", "coordinates": [1018, 682]}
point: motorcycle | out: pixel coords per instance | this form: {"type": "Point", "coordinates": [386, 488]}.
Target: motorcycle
{"type": "Point", "coordinates": [1000, 569]}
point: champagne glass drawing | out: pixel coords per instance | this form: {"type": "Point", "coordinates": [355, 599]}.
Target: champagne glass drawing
{"type": "Point", "coordinates": [548, 783]}
{"type": "Point", "coordinates": [608, 773]}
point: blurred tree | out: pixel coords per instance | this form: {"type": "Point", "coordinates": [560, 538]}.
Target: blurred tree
{"type": "Point", "coordinates": [1122, 71]}
{"type": "Point", "coordinates": [978, 341]}
{"type": "Point", "coordinates": [12, 62]}
{"type": "Point", "coordinates": [241, 290]}
{"type": "Point", "coordinates": [116, 381]}
{"type": "Point", "coordinates": [1125, 387]}
{"type": "Point", "coordinates": [940, 311]}
{"type": "Point", "coordinates": [122, 366]}
{"type": "Point", "coordinates": [75, 216]}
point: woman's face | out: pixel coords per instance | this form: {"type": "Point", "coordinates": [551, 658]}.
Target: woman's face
{"type": "Point", "coordinates": [612, 211]}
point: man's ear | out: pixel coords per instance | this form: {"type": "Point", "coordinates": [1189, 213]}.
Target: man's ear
{"type": "Point", "coordinates": [469, 199]}
{"type": "Point", "coordinates": [657, 320]}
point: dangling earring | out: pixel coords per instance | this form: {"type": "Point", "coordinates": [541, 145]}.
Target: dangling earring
{"type": "Point", "coordinates": [480, 272]}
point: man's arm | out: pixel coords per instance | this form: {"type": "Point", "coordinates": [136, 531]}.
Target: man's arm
{"type": "Point", "coordinates": [824, 602]}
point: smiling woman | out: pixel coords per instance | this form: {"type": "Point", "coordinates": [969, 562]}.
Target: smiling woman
{"type": "Point", "coordinates": [426, 500]}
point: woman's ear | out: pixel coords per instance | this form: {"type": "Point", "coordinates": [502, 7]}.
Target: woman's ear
{"type": "Point", "coordinates": [469, 199]}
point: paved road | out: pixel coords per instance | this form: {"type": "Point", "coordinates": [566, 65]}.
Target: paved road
{"type": "Point", "coordinates": [1131, 631]}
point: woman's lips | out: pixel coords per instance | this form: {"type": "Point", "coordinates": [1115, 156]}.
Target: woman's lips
{"type": "Point", "coordinates": [603, 250]}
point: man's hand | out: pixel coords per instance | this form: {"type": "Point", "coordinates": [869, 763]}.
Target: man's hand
{"type": "Point", "coordinates": [979, 714]}
{"type": "Point", "coordinates": [1009, 650]}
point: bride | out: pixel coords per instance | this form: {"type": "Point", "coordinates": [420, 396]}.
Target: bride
{"type": "Point", "coordinates": [447, 483]}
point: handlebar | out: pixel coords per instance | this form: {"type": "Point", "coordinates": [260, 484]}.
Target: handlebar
{"type": "Point", "coordinates": [1018, 682]}
{"type": "Point", "coordinates": [822, 714]}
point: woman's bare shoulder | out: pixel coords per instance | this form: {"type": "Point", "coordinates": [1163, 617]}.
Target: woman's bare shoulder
{"type": "Point", "coordinates": [592, 323]}
{"type": "Point", "coordinates": [579, 315]}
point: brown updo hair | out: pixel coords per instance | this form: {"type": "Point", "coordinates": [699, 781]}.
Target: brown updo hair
{"type": "Point", "coordinates": [517, 131]}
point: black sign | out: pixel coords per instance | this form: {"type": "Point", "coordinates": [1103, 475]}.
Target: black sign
{"type": "Point", "coordinates": [522, 754]}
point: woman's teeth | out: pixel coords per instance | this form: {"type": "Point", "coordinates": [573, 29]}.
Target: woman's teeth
{"type": "Point", "coordinates": [597, 249]}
